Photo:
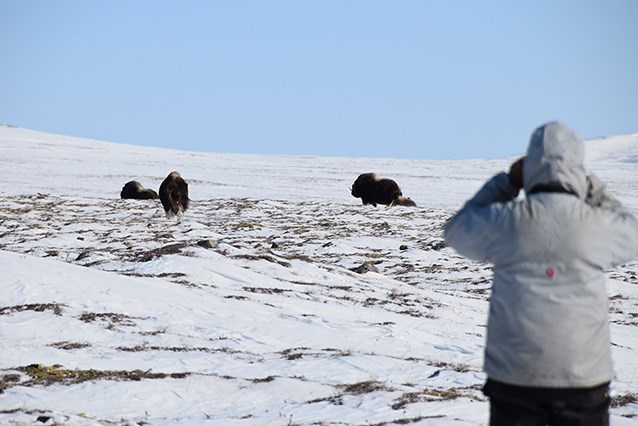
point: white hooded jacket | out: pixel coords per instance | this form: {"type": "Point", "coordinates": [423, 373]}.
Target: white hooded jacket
{"type": "Point", "coordinates": [548, 319]}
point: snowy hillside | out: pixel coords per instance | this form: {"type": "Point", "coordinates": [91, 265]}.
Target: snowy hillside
{"type": "Point", "coordinates": [278, 300]}
{"type": "Point", "coordinates": [621, 149]}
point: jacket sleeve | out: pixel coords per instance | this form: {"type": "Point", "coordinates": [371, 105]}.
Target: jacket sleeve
{"type": "Point", "coordinates": [482, 220]}
{"type": "Point", "coordinates": [598, 196]}
{"type": "Point", "coordinates": [621, 227]}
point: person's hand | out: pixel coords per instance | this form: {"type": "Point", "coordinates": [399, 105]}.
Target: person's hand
{"type": "Point", "coordinates": [516, 173]}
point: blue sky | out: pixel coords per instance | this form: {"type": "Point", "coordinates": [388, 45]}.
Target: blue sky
{"type": "Point", "coordinates": [429, 79]}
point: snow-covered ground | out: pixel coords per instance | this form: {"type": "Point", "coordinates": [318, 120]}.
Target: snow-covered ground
{"type": "Point", "coordinates": [249, 311]}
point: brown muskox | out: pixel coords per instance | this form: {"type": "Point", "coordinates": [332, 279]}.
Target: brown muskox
{"type": "Point", "coordinates": [373, 190]}
{"type": "Point", "coordinates": [134, 190]}
{"type": "Point", "coordinates": [173, 194]}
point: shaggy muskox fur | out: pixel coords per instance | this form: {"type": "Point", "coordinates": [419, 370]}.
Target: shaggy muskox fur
{"type": "Point", "coordinates": [173, 194]}
{"type": "Point", "coordinates": [373, 190]}
{"type": "Point", "coordinates": [134, 190]}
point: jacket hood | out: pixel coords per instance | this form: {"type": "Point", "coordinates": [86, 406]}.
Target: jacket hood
{"type": "Point", "coordinates": [555, 156]}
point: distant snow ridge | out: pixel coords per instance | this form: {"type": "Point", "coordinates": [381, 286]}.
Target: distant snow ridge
{"type": "Point", "coordinates": [622, 149]}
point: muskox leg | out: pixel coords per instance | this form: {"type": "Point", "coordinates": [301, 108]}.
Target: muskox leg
{"type": "Point", "coordinates": [178, 213]}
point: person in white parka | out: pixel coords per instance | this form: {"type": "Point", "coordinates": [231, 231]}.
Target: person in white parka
{"type": "Point", "coordinates": [547, 354]}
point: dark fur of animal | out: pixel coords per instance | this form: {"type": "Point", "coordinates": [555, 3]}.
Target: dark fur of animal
{"type": "Point", "coordinates": [134, 190]}
{"type": "Point", "coordinates": [173, 194]}
{"type": "Point", "coordinates": [373, 190]}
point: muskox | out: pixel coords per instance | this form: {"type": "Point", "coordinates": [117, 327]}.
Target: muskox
{"type": "Point", "coordinates": [173, 194]}
{"type": "Point", "coordinates": [134, 190]}
{"type": "Point", "coordinates": [373, 190]}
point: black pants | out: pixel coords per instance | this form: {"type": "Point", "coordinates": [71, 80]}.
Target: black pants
{"type": "Point", "coordinates": [523, 406]}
